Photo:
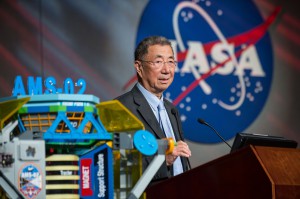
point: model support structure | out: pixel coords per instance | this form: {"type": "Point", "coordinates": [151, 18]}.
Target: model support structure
{"type": "Point", "coordinates": [73, 146]}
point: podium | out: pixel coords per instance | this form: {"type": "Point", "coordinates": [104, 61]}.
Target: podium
{"type": "Point", "coordinates": [254, 172]}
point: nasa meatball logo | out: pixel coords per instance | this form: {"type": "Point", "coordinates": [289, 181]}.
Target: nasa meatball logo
{"type": "Point", "coordinates": [225, 62]}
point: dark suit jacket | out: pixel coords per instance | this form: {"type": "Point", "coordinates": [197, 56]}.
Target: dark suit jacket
{"type": "Point", "coordinates": [135, 101]}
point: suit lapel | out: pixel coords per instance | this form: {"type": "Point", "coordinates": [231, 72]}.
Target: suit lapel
{"type": "Point", "coordinates": [147, 113]}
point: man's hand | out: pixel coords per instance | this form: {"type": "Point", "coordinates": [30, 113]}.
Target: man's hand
{"type": "Point", "coordinates": [182, 149]}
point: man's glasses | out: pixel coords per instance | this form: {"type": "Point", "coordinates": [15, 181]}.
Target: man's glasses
{"type": "Point", "coordinates": [160, 64]}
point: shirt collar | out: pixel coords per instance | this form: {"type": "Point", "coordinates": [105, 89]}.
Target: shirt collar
{"type": "Point", "coordinates": [150, 97]}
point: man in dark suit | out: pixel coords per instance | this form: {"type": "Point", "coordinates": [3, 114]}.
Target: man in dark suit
{"type": "Point", "coordinates": [155, 66]}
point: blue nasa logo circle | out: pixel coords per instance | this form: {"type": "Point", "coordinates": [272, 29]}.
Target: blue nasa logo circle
{"type": "Point", "coordinates": [225, 62]}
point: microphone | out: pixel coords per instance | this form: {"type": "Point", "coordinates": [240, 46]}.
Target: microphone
{"type": "Point", "coordinates": [201, 121]}
{"type": "Point", "coordinates": [174, 112]}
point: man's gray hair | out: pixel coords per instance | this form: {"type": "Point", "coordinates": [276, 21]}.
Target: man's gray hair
{"type": "Point", "coordinates": [142, 48]}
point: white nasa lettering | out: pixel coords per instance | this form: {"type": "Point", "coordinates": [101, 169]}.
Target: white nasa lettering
{"type": "Point", "coordinates": [249, 60]}
{"type": "Point", "coordinates": [221, 52]}
{"type": "Point", "coordinates": [174, 47]}
{"type": "Point", "coordinates": [86, 177]}
{"type": "Point", "coordinates": [195, 58]}
{"type": "Point", "coordinates": [197, 62]}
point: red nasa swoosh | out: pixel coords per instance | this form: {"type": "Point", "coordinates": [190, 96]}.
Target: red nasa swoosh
{"type": "Point", "coordinates": [254, 34]}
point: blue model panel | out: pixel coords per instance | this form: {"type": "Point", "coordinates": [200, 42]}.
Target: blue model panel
{"type": "Point", "coordinates": [40, 109]}
{"type": "Point", "coordinates": [75, 109]}
{"type": "Point", "coordinates": [96, 173]}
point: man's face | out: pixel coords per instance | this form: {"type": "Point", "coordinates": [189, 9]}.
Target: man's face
{"type": "Point", "coordinates": [156, 79]}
